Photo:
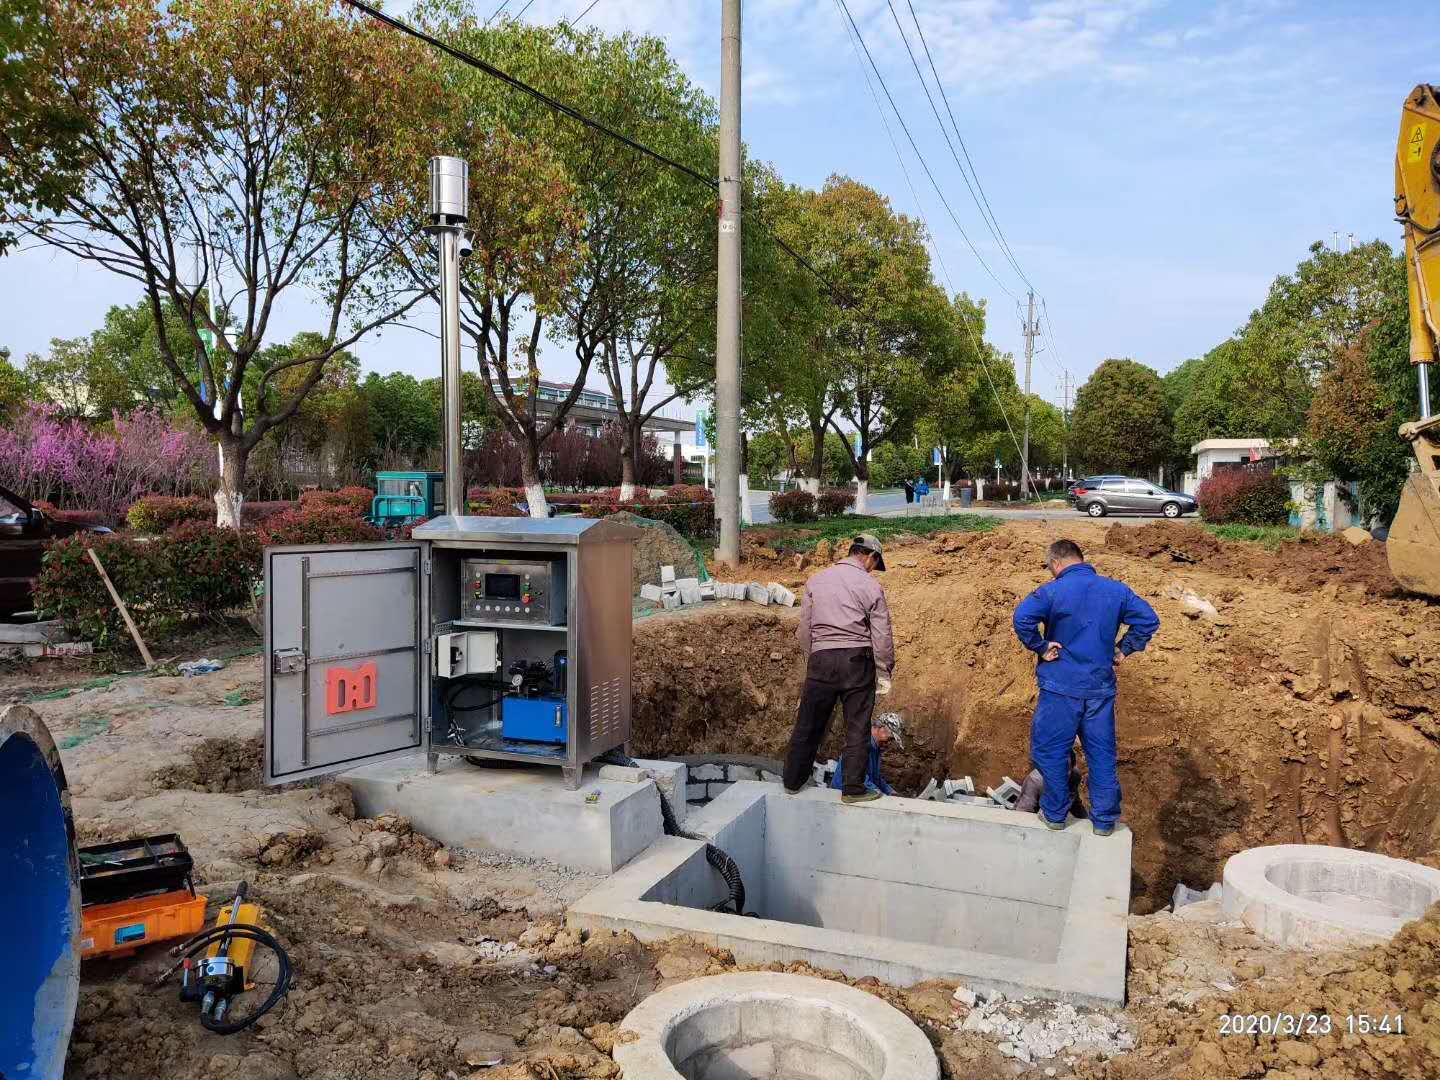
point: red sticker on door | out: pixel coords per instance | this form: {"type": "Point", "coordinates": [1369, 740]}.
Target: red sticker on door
{"type": "Point", "coordinates": [350, 689]}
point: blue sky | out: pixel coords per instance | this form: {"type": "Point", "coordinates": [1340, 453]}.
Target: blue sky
{"type": "Point", "coordinates": [1153, 165]}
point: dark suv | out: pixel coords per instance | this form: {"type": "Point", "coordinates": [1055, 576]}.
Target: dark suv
{"type": "Point", "coordinates": [25, 532]}
{"type": "Point", "coordinates": [1101, 495]}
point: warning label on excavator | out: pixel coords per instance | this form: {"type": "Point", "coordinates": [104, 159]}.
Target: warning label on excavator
{"type": "Point", "coordinates": [1416, 142]}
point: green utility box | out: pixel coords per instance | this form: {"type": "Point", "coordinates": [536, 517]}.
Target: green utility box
{"type": "Point", "coordinates": [405, 497]}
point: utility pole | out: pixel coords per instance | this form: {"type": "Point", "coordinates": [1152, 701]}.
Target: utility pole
{"type": "Point", "coordinates": [727, 310]}
{"type": "Point", "coordinates": [1030, 331]}
{"type": "Point", "coordinates": [1065, 416]}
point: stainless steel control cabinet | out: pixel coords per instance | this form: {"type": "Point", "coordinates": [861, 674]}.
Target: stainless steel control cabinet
{"type": "Point", "coordinates": [350, 631]}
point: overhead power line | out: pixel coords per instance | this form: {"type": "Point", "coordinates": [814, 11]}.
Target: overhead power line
{"type": "Point", "coordinates": [525, 88]}
{"type": "Point", "coordinates": [976, 342]}
{"type": "Point", "coordinates": [575, 114]}
{"type": "Point", "coordinates": [588, 8]}
{"type": "Point", "coordinates": [986, 211]}
{"type": "Point", "coordinates": [899, 116]}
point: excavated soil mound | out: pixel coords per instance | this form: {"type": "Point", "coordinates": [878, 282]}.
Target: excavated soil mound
{"type": "Point", "coordinates": [1293, 715]}
{"type": "Point", "coordinates": [1310, 561]}
{"type": "Point", "coordinates": [659, 545]}
{"type": "Point", "coordinates": [219, 764]}
{"type": "Point", "coordinates": [1354, 1002]}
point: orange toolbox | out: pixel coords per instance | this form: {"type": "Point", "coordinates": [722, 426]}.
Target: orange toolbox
{"type": "Point", "coordinates": [134, 892]}
{"type": "Point", "coordinates": [119, 929]}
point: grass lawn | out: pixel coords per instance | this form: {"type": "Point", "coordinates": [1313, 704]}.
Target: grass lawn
{"type": "Point", "coordinates": [1269, 535]}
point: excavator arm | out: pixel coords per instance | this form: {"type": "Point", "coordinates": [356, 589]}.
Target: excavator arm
{"type": "Point", "coordinates": [1414, 543]}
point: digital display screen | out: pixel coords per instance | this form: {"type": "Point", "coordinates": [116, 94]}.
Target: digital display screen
{"type": "Point", "coordinates": [502, 586]}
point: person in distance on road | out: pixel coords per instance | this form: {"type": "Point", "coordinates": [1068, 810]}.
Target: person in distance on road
{"type": "Point", "coordinates": [1081, 613]}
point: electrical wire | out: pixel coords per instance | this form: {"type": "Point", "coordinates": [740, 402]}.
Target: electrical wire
{"type": "Point", "coordinates": [925, 165]}
{"type": "Point", "coordinates": [975, 341]}
{"type": "Point", "coordinates": [582, 14]}
{"type": "Point", "coordinates": [249, 932]}
{"type": "Point", "coordinates": [575, 114]}
{"type": "Point", "coordinates": [525, 88]}
{"type": "Point", "coordinates": [986, 209]}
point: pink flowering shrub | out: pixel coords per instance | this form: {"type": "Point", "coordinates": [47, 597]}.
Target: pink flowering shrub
{"type": "Point", "coordinates": [102, 468]}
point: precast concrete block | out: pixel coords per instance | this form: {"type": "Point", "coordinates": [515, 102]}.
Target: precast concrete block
{"type": "Point", "coordinates": [690, 595]}
{"type": "Point", "coordinates": [667, 574]}
{"type": "Point", "coordinates": [687, 583]}
{"type": "Point", "coordinates": [757, 594]}
{"type": "Point", "coordinates": [671, 601]}
{"type": "Point", "coordinates": [651, 592]}
{"type": "Point", "coordinates": [779, 594]}
{"type": "Point", "coordinates": [708, 772]}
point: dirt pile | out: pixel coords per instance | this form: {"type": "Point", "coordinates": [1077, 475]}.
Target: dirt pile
{"type": "Point", "coordinates": [1296, 714]}
{"type": "Point", "coordinates": [1370, 1013]}
{"type": "Point", "coordinates": [1310, 561]}
{"type": "Point", "coordinates": [226, 763]}
{"type": "Point", "coordinates": [659, 545]}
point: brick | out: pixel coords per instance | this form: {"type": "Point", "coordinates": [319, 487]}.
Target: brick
{"type": "Point", "coordinates": [707, 772]}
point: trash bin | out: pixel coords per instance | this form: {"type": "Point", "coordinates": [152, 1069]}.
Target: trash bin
{"type": "Point", "coordinates": [967, 497]}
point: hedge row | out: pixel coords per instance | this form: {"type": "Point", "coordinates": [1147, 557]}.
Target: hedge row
{"type": "Point", "coordinates": [694, 520]}
{"type": "Point", "coordinates": [357, 500]}
{"type": "Point", "coordinates": [1242, 497]}
{"type": "Point", "coordinates": [155, 514]}
{"type": "Point", "coordinates": [194, 570]}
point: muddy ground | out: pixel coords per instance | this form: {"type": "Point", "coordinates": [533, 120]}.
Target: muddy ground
{"type": "Point", "coordinates": [1303, 711]}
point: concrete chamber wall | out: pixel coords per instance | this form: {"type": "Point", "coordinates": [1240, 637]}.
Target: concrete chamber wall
{"type": "Point", "coordinates": [899, 889]}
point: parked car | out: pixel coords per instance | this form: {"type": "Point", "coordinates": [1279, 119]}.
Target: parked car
{"type": "Point", "coordinates": [1101, 495]}
{"type": "Point", "coordinates": [25, 531]}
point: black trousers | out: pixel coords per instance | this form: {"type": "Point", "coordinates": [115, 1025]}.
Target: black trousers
{"type": "Point", "coordinates": [831, 675]}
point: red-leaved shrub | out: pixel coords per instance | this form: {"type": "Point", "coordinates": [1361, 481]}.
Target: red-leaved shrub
{"type": "Point", "coordinates": [793, 506]}
{"type": "Point", "coordinates": [357, 500]}
{"type": "Point", "coordinates": [316, 525]}
{"type": "Point", "coordinates": [1243, 497]}
{"type": "Point", "coordinates": [832, 502]}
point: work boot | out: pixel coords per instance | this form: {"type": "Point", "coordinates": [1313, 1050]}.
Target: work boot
{"type": "Point", "coordinates": [1103, 830]}
{"type": "Point", "coordinates": [869, 796]}
{"type": "Point", "coordinates": [1054, 826]}
{"type": "Point", "coordinates": [794, 790]}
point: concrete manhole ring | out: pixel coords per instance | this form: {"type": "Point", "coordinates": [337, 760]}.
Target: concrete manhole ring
{"type": "Point", "coordinates": [1310, 896]}
{"type": "Point", "coordinates": [767, 1026]}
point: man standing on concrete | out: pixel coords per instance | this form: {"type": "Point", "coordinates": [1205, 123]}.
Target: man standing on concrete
{"type": "Point", "coordinates": [850, 655]}
{"type": "Point", "coordinates": [1081, 612]}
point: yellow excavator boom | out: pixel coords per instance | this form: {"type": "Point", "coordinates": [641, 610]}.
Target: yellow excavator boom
{"type": "Point", "coordinates": [1414, 543]}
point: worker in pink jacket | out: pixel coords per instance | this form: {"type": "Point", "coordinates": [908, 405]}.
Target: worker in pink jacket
{"type": "Point", "coordinates": [850, 655]}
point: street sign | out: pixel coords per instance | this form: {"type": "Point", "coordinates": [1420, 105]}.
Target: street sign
{"type": "Point", "coordinates": [700, 430]}
{"type": "Point", "coordinates": [936, 458]}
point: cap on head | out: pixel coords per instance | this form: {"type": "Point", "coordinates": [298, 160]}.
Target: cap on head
{"type": "Point", "coordinates": [869, 543]}
{"type": "Point", "coordinates": [894, 723]}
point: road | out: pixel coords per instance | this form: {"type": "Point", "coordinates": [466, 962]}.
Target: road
{"type": "Point", "coordinates": [892, 504]}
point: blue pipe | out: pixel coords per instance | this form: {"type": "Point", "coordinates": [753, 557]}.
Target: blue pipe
{"type": "Point", "coordinates": [39, 902]}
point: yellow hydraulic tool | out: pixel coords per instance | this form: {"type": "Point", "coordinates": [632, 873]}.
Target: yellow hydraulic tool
{"type": "Point", "coordinates": [1414, 543]}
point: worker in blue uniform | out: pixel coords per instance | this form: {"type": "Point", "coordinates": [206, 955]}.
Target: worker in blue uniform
{"type": "Point", "coordinates": [886, 728]}
{"type": "Point", "coordinates": [1081, 613]}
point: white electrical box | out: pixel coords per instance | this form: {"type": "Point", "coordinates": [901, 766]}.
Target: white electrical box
{"type": "Point", "coordinates": [473, 652]}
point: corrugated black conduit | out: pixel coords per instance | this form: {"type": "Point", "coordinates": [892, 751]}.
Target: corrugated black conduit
{"type": "Point", "coordinates": [723, 863]}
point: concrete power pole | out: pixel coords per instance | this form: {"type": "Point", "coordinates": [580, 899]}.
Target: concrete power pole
{"type": "Point", "coordinates": [1030, 332]}
{"type": "Point", "coordinates": [727, 334]}
{"type": "Point", "coordinates": [1065, 416]}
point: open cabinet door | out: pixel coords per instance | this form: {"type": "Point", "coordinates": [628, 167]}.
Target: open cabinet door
{"type": "Point", "coordinates": [344, 665]}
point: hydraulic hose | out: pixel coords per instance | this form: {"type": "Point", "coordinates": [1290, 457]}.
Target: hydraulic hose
{"type": "Point", "coordinates": [214, 934]}
{"type": "Point", "coordinates": [723, 863]}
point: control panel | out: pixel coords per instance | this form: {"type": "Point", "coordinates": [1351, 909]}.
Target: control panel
{"type": "Point", "coordinates": [525, 592]}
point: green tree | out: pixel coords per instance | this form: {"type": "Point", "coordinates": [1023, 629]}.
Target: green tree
{"type": "Point", "coordinates": [276, 137]}
{"type": "Point", "coordinates": [1365, 394]}
{"type": "Point", "coordinates": [1121, 422]}
{"type": "Point", "coordinates": [403, 417]}
{"type": "Point", "coordinates": [16, 388]}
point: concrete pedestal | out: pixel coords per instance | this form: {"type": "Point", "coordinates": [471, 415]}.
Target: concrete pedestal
{"type": "Point", "coordinates": [613, 816]}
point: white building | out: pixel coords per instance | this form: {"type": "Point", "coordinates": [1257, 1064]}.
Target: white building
{"type": "Point", "coordinates": [1211, 452]}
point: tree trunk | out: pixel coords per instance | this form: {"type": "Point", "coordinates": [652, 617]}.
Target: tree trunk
{"type": "Point", "coordinates": [862, 484]}
{"type": "Point", "coordinates": [231, 495]}
{"type": "Point", "coordinates": [530, 478]}
{"type": "Point", "coordinates": [627, 465]}
{"type": "Point", "coordinates": [817, 457]}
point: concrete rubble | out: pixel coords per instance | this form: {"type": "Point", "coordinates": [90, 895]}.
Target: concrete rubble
{"type": "Point", "coordinates": [1032, 1029]}
{"type": "Point", "coordinates": [673, 592]}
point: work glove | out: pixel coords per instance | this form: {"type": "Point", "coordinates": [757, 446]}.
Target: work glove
{"type": "Point", "coordinates": [882, 686]}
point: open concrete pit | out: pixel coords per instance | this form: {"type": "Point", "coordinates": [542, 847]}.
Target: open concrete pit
{"type": "Point", "coordinates": [902, 891]}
